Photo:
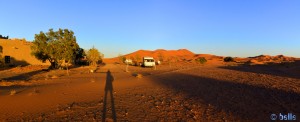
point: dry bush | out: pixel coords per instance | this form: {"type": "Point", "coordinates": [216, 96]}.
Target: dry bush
{"type": "Point", "coordinates": [13, 92]}
{"type": "Point", "coordinates": [137, 75]}
{"type": "Point", "coordinates": [228, 59]}
{"type": "Point", "coordinates": [54, 76]}
{"type": "Point", "coordinates": [201, 60]}
{"type": "Point", "coordinates": [92, 69]}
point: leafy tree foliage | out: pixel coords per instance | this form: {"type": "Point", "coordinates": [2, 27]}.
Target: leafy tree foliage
{"type": "Point", "coordinates": [55, 46]}
{"type": "Point", "coordinates": [93, 56]}
{"type": "Point", "coordinates": [3, 37]}
{"type": "Point", "coordinates": [80, 53]}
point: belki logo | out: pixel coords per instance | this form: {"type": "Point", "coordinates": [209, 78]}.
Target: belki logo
{"type": "Point", "coordinates": [288, 116]}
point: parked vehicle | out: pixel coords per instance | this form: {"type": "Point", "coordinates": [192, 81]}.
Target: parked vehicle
{"type": "Point", "coordinates": [128, 61]}
{"type": "Point", "coordinates": [148, 62]}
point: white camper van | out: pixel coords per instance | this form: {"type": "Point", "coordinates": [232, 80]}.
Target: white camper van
{"type": "Point", "coordinates": [148, 62]}
{"type": "Point", "coordinates": [128, 61]}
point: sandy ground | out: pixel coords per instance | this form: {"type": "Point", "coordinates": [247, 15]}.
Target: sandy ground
{"type": "Point", "coordinates": [180, 92]}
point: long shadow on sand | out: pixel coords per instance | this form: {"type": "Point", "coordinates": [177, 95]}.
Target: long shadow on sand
{"type": "Point", "coordinates": [109, 89]}
{"type": "Point", "coordinates": [283, 69]}
{"type": "Point", "coordinates": [24, 76]}
{"type": "Point", "coordinates": [4, 90]}
{"type": "Point", "coordinates": [14, 63]}
{"type": "Point", "coordinates": [243, 101]}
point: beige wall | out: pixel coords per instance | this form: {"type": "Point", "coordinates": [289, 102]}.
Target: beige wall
{"type": "Point", "coordinates": [19, 51]}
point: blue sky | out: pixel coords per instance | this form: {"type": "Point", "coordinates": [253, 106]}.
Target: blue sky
{"type": "Point", "coordinates": [221, 27]}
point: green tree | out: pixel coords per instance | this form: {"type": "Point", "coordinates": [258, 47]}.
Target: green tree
{"type": "Point", "coordinates": [93, 56]}
{"type": "Point", "coordinates": [55, 46]}
{"type": "Point", "coordinates": [80, 53]}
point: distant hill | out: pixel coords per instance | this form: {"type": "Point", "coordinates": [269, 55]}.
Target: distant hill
{"type": "Point", "coordinates": [180, 55]}
{"type": "Point", "coordinates": [165, 54]}
{"type": "Point", "coordinates": [186, 55]}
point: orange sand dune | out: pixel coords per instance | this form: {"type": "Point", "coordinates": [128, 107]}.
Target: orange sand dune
{"type": "Point", "coordinates": [166, 54]}
{"type": "Point", "coordinates": [161, 52]}
{"type": "Point", "coordinates": [184, 54]}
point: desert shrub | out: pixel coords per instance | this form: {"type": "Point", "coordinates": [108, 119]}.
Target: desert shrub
{"type": "Point", "coordinates": [228, 59]}
{"type": "Point", "coordinates": [13, 92]}
{"type": "Point", "coordinates": [138, 75]}
{"type": "Point", "coordinates": [201, 60]}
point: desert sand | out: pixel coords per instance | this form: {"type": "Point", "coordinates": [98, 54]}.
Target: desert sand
{"type": "Point", "coordinates": [182, 91]}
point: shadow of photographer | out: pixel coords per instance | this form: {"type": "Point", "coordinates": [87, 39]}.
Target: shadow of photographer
{"type": "Point", "coordinates": [109, 89]}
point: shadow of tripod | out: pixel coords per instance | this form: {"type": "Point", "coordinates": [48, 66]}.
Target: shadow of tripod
{"type": "Point", "coordinates": [109, 89]}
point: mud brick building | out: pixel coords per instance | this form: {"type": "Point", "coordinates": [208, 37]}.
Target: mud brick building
{"type": "Point", "coordinates": [18, 52]}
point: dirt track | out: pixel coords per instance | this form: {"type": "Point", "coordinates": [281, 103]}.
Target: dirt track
{"type": "Point", "coordinates": [179, 93]}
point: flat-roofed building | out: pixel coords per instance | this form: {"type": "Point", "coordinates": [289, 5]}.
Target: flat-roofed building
{"type": "Point", "coordinates": [18, 52]}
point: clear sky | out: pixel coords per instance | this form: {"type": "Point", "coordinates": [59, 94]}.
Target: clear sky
{"type": "Point", "coordinates": [222, 27]}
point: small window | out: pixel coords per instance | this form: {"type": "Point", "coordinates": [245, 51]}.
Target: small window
{"type": "Point", "coordinates": [7, 59]}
